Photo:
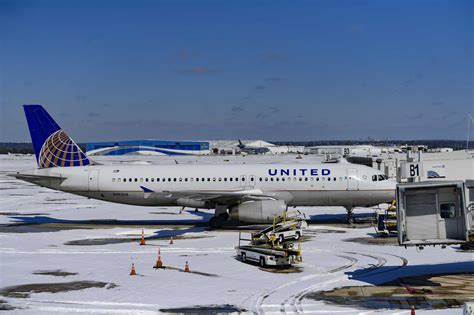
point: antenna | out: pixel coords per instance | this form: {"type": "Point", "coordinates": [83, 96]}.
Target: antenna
{"type": "Point", "coordinates": [470, 120]}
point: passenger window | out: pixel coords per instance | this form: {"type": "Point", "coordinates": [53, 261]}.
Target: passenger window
{"type": "Point", "coordinates": [174, 179]}
{"type": "Point", "coordinates": [317, 179]}
{"type": "Point", "coordinates": [278, 179]}
{"type": "Point", "coordinates": [220, 179]}
{"type": "Point", "coordinates": [113, 180]}
{"type": "Point", "coordinates": [447, 210]}
{"type": "Point", "coordinates": [146, 179]}
{"type": "Point", "coordinates": [208, 179]}
{"type": "Point", "coordinates": [152, 179]}
{"type": "Point", "coordinates": [301, 179]}
{"type": "Point", "coordinates": [136, 179]}
{"type": "Point", "coordinates": [119, 180]}
{"type": "Point", "coordinates": [169, 179]}
{"type": "Point", "coordinates": [266, 179]}
{"type": "Point", "coordinates": [374, 178]}
{"type": "Point", "coordinates": [180, 179]}
{"type": "Point", "coordinates": [236, 179]}
{"type": "Point", "coordinates": [283, 179]}
{"type": "Point", "coordinates": [213, 179]}
{"type": "Point", "coordinates": [329, 178]}
{"type": "Point", "coordinates": [230, 178]}
{"type": "Point", "coordinates": [252, 179]}
{"type": "Point", "coordinates": [271, 178]}
{"type": "Point", "coordinates": [306, 179]}
{"type": "Point", "coordinates": [334, 179]}
{"type": "Point", "coordinates": [186, 179]}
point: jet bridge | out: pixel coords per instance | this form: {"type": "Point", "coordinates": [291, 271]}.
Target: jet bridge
{"type": "Point", "coordinates": [435, 213]}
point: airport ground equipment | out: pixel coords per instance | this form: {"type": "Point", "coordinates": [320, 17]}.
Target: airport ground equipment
{"type": "Point", "coordinates": [386, 221]}
{"type": "Point", "coordinates": [273, 246]}
{"type": "Point", "coordinates": [284, 255]}
{"type": "Point", "coordinates": [436, 213]}
{"type": "Point", "coordinates": [285, 227]}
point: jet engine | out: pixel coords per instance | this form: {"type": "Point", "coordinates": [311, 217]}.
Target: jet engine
{"type": "Point", "coordinates": [258, 211]}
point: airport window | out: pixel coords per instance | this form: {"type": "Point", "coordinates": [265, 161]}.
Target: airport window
{"type": "Point", "coordinates": [113, 180]}
{"type": "Point", "coordinates": [447, 210]}
{"type": "Point", "coordinates": [374, 178]}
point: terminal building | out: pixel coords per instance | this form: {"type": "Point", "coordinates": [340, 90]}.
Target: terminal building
{"type": "Point", "coordinates": [148, 147]}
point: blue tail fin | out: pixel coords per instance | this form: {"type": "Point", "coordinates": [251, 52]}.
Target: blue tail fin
{"type": "Point", "coordinates": [53, 147]}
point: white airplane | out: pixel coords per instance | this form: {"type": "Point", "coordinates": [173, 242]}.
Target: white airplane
{"type": "Point", "coordinates": [248, 193]}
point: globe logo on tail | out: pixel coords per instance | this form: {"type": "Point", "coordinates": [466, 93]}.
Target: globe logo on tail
{"type": "Point", "coordinates": [60, 150]}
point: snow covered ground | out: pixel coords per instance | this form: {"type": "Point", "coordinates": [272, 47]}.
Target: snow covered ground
{"type": "Point", "coordinates": [97, 242]}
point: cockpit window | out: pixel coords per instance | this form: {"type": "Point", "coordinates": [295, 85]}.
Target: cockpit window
{"type": "Point", "coordinates": [374, 178]}
{"type": "Point", "coordinates": [383, 177]}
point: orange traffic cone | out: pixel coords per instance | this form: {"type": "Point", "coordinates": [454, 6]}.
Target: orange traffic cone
{"type": "Point", "coordinates": [133, 271]}
{"type": "Point", "coordinates": [171, 240]}
{"type": "Point", "coordinates": [186, 267]}
{"type": "Point", "coordinates": [159, 263]}
{"type": "Point", "coordinates": [142, 240]}
{"type": "Point", "coordinates": [412, 310]}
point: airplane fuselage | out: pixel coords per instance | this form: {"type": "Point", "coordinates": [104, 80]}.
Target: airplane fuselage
{"type": "Point", "coordinates": [346, 185]}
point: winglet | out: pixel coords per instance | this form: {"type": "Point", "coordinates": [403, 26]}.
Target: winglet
{"type": "Point", "coordinates": [148, 192]}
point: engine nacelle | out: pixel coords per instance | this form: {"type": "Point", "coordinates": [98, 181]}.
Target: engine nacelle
{"type": "Point", "coordinates": [258, 211]}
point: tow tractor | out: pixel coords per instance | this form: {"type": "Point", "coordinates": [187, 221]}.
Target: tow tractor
{"type": "Point", "coordinates": [273, 245]}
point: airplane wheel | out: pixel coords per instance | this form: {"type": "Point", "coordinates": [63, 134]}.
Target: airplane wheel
{"type": "Point", "coordinates": [262, 262]}
{"type": "Point", "coordinates": [216, 222]}
{"type": "Point", "coordinates": [244, 257]}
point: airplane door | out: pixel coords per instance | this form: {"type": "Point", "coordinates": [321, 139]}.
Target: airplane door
{"type": "Point", "coordinates": [252, 181]}
{"type": "Point", "coordinates": [243, 181]}
{"type": "Point", "coordinates": [352, 180]}
{"type": "Point", "coordinates": [93, 180]}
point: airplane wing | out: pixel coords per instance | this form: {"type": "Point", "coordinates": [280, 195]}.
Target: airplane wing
{"type": "Point", "coordinates": [220, 197]}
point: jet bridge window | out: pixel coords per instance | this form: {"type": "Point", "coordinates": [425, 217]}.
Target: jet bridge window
{"type": "Point", "coordinates": [447, 210]}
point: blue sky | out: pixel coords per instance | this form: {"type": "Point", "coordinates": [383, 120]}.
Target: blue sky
{"type": "Point", "coordinates": [277, 70]}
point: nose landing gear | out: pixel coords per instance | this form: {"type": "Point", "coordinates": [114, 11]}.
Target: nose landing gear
{"type": "Point", "coordinates": [350, 216]}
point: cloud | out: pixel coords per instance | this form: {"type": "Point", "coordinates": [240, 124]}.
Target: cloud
{"type": "Point", "coordinates": [274, 110]}
{"type": "Point", "coordinates": [273, 79]}
{"type": "Point", "coordinates": [261, 116]}
{"type": "Point", "coordinates": [197, 70]}
{"type": "Point", "coordinates": [272, 57]}
{"type": "Point", "coordinates": [236, 109]}
{"type": "Point", "coordinates": [80, 98]}
{"type": "Point", "coordinates": [416, 116]}
{"type": "Point", "coordinates": [185, 54]}
{"type": "Point", "coordinates": [93, 114]}
{"type": "Point", "coordinates": [259, 87]}
{"type": "Point", "coordinates": [356, 28]}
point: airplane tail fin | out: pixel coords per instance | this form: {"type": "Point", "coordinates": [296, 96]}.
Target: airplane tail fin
{"type": "Point", "coordinates": [53, 147]}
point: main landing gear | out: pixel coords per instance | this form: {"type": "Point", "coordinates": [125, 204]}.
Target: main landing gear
{"type": "Point", "coordinates": [218, 220]}
{"type": "Point", "coordinates": [350, 216]}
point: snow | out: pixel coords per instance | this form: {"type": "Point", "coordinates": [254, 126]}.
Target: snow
{"type": "Point", "coordinates": [328, 260]}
